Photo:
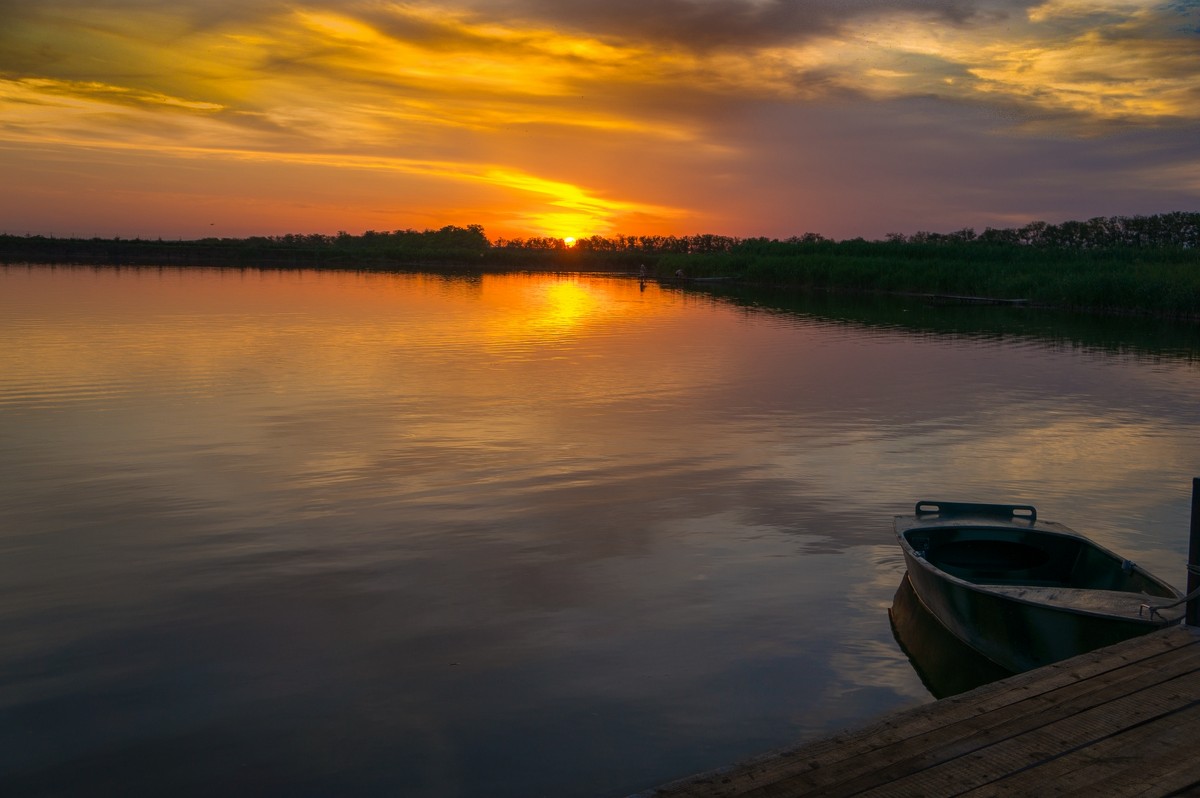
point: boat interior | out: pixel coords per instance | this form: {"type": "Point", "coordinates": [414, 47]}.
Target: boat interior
{"type": "Point", "coordinates": [999, 556]}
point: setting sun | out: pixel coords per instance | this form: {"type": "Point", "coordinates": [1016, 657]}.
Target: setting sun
{"type": "Point", "coordinates": [569, 241]}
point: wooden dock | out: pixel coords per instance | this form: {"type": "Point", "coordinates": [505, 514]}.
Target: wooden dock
{"type": "Point", "coordinates": [1121, 721]}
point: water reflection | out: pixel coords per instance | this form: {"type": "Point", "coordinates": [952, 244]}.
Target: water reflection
{"type": "Point", "coordinates": [324, 532]}
{"type": "Point", "coordinates": [946, 665]}
{"type": "Point", "coordinates": [1148, 337]}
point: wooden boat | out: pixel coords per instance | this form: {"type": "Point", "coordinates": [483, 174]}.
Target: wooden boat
{"type": "Point", "coordinates": [1023, 592]}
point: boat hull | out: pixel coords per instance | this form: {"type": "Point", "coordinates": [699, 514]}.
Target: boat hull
{"type": "Point", "coordinates": [1008, 608]}
{"type": "Point", "coordinates": [945, 664]}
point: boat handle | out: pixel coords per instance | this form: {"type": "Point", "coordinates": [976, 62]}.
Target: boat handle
{"type": "Point", "coordinates": [1024, 512]}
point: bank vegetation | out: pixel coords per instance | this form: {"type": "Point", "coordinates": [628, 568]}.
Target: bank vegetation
{"type": "Point", "coordinates": [1138, 264]}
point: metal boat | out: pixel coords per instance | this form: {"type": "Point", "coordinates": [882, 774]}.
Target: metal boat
{"type": "Point", "coordinates": [946, 665]}
{"type": "Point", "coordinates": [1023, 592]}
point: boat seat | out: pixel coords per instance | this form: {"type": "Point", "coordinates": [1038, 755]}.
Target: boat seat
{"type": "Point", "coordinates": [1104, 602]}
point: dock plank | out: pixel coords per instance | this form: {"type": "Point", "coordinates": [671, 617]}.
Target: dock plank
{"type": "Point", "coordinates": [1116, 765]}
{"type": "Point", "coordinates": [1040, 745]}
{"type": "Point", "coordinates": [1061, 720]}
{"type": "Point", "coordinates": [849, 750]}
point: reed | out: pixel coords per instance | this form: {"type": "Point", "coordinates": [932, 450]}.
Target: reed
{"type": "Point", "coordinates": [1161, 282]}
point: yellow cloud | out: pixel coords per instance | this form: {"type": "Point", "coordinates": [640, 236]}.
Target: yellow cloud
{"type": "Point", "coordinates": [1124, 68]}
{"type": "Point", "coordinates": [586, 213]}
{"type": "Point", "coordinates": [550, 207]}
{"type": "Point", "coordinates": [1074, 9]}
{"type": "Point", "coordinates": [336, 26]}
{"type": "Point", "coordinates": [341, 81]}
{"type": "Point", "coordinates": [1099, 77]}
{"type": "Point", "coordinates": [67, 92]}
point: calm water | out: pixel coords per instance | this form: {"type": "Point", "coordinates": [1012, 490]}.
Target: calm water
{"type": "Point", "coordinates": [301, 533]}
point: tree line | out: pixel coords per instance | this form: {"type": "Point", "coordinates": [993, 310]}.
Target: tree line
{"type": "Point", "coordinates": [1176, 230]}
{"type": "Point", "coordinates": [470, 245]}
{"type": "Point", "coordinates": [1166, 230]}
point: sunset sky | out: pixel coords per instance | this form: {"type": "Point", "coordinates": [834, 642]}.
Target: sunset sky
{"type": "Point", "coordinates": [143, 118]}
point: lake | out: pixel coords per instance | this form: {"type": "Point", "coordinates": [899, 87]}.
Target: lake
{"type": "Point", "coordinates": [347, 533]}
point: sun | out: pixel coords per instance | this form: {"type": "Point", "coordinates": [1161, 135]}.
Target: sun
{"type": "Point", "coordinates": [569, 241]}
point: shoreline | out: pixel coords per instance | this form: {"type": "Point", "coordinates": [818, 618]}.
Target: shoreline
{"type": "Point", "coordinates": [1155, 284]}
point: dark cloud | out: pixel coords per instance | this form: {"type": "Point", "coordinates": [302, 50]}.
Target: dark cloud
{"type": "Point", "coordinates": [929, 163]}
{"type": "Point", "coordinates": [705, 24]}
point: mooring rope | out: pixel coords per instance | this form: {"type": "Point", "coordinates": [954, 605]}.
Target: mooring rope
{"type": "Point", "coordinates": [1192, 569]}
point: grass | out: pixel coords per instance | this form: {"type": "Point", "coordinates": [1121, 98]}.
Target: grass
{"type": "Point", "coordinates": [1160, 282]}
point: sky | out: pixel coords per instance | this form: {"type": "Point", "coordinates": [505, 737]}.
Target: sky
{"type": "Point", "coordinates": [572, 118]}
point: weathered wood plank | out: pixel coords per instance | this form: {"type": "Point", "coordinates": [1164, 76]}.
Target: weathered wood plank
{"type": "Point", "coordinates": [961, 728]}
{"type": "Point", "coordinates": [1041, 745]}
{"type": "Point", "coordinates": [996, 732]}
{"type": "Point", "coordinates": [1118, 765]}
{"type": "Point", "coordinates": [914, 748]}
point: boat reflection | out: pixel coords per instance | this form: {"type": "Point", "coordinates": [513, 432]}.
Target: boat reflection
{"type": "Point", "coordinates": [946, 665]}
